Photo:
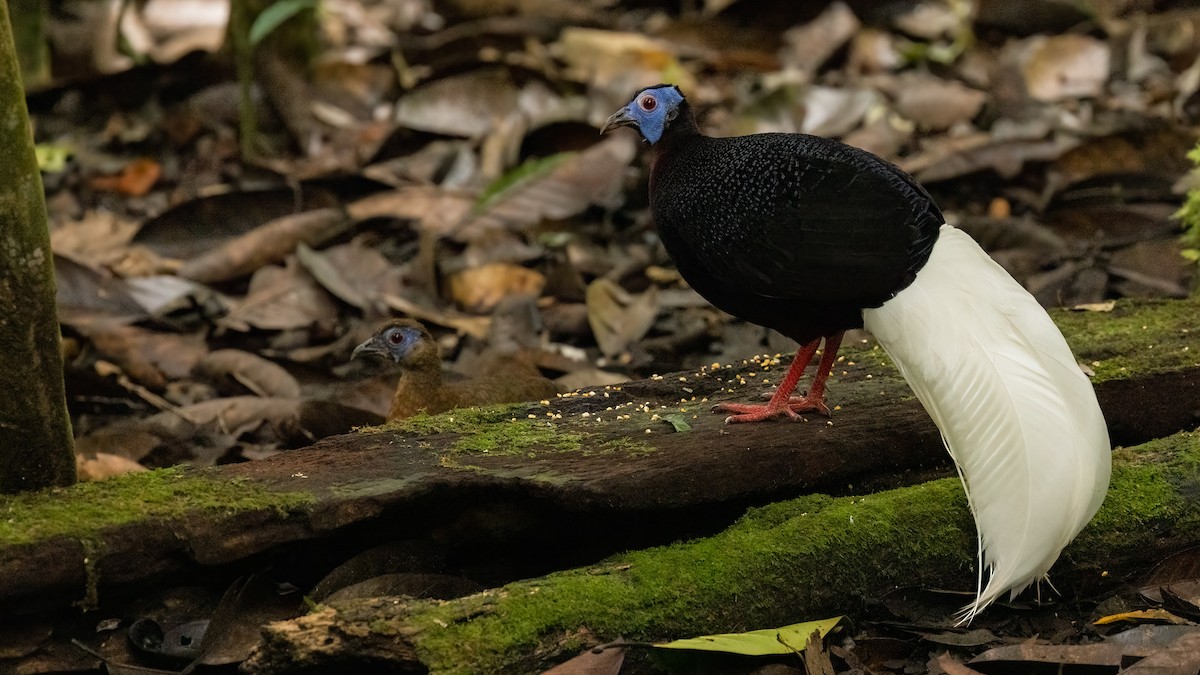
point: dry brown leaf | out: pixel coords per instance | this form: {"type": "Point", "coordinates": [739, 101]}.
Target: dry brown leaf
{"type": "Point", "coordinates": [476, 326]}
{"type": "Point", "coordinates": [103, 465]}
{"type": "Point", "coordinates": [266, 244]}
{"type": "Point", "coordinates": [123, 437]}
{"type": "Point", "coordinates": [135, 179]}
{"type": "Point", "coordinates": [281, 298]}
{"type": "Point", "coordinates": [435, 210]}
{"type": "Point", "coordinates": [148, 357]}
{"type": "Point", "coordinates": [234, 371]}
{"type": "Point", "coordinates": [230, 416]}
{"type": "Point", "coordinates": [935, 103]}
{"type": "Point", "coordinates": [835, 111]}
{"type": "Point", "coordinates": [466, 105]}
{"type": "Point", "coordinates": [87, 295]}
{"type": "Point", "coordinates": [1181, 657]}
{"type": "Point", "coordinates": [618, 63]}
{"type": "Point", "coordinates": [1063, 66]}
{"type": "Point", "coordinates": [952, 666]}
{"type": "Point", "coordinates": [354, 273]}
{"type": "Point", "coordinates": [1030, 653]}
{"type": "Point", "coordinates": [953, 156]}
{"type": "Point", "coordinates": [563, 189]}
{"type": "Point", "coordinates": [873, 51]}
{"type": "Point", "coordinates": [809, 46]}
{"type": "Point", "coordinates": [98, 238]}
{"type": "Point", "coordinates": [603, 662]}
{"type": "Point", "coordinates": [617, 317]}
{"type": "Point", "coordinates": [479, 289]}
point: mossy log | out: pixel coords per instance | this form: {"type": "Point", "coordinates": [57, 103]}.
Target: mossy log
{"type": "Point", "coordinates": [791, 561]}
{"type": "Point", "coordinates": [518, 491]}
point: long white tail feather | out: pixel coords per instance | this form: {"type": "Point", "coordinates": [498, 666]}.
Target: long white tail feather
{"type": "Point", "coordinates": [1018, 416]}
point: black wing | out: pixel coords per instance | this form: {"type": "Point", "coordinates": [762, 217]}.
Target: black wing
{"type": "Point", "coordinates": [791, 217]}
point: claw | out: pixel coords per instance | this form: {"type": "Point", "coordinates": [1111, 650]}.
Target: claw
{"type": "Point", "coordinates": [805, 404]}
{"type": "Point", "coordinates": [748, 412]}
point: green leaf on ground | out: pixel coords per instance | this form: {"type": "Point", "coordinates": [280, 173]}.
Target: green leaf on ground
{"type": "Point", "coordinates": [766, 642]}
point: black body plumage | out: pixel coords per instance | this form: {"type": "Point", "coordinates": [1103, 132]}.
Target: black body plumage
{"type": "Point", "coordinates": [812, 237]}
{"type": "Point", "coordinates": [794, 232]}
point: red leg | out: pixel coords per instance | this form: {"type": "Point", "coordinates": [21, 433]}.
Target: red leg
{"type": "Point", "coordinates": [780, 403]}
{"type": "Point", "coordinates": [815, 399]}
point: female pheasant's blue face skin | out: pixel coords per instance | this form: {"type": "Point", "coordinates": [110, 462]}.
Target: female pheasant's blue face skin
{"type": "Point", "coordinates": [396, 343]}
{"type": "Point", "coordinates": [400, 340]}
{"type": "Point", "coordinates": [649, 112]}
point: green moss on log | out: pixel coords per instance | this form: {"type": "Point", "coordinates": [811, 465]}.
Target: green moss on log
{"type": "Point", "coordinates": [83, 511]}
{"type": "Point", "coordinates": [1136, 338]}
{"type": "Point", "coordinates": [780, 563]}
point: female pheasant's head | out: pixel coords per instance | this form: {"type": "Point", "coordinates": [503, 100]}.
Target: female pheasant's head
{"type": "Point", "coordinates": [650, 112]}
{"type": "Point", "coordinates": [403, 342]}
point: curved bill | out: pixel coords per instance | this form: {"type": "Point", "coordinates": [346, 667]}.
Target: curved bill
{"type": "Point", "coordinates": [621, 118]}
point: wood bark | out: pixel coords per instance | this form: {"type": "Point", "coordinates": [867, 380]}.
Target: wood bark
{"type": "Point", "coordinates": [500, 496]}
{"type": "Point", "coordinates": [36, 446]}
{"type": "Point", "coordinates": [792, 561]}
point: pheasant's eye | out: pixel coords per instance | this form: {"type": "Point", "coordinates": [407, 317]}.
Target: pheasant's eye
{"type": "Point", "coordinates": [396, 337]}
{"type": "Point", "coordinates": [648, 103]}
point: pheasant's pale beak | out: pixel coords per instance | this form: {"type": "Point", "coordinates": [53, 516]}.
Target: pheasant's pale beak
{"type": "Point", "coordinates": [621, 118]}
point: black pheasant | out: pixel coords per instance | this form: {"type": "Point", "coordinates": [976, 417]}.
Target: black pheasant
{"type": "Point", "coordinates": [812, 237]}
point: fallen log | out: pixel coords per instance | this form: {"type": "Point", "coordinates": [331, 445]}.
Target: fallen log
{"type": "Point", "coordinates": [790, 561]}
{"type": "Point", "coordinates": [522, 490]}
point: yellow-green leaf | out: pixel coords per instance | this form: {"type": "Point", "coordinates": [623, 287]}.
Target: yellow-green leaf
{"type": "Point", "coordinates": [766, 642]}
{"type": "Point", "coordinates": [679, 421]}
{"type": "Point", "coordinates": [52, 158]}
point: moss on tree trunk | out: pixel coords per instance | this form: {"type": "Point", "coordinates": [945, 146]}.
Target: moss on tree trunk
{"type": "Point", "coordinates": [35, 431]}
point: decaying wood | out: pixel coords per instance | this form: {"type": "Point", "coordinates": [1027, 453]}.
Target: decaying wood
{"type": "Point", "coordinates": [511, 499]}
{"type": "Point", "coordinates": [808, 558]}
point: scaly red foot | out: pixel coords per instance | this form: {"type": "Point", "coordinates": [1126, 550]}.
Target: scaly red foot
{"type": "Point", "coordinates": [782, 402]}
{"type": "Point", "coordinates": [805, 404]}
{"type": "Point", "coordinates": [757, 412]}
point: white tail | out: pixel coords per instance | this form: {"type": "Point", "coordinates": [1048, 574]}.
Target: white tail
{"type": "Point", "coordinates": [1019, 417]}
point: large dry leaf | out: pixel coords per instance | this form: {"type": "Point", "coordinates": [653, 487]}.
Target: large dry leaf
{"type": "Point", "coordinates": [466, 105]}
{"type": "Point", "coordinates": [354, 273]}
{"type": "Point", "coordinates": [835, 111]}
{"type": "Point", "coordinates": [234, 371]}
{"type": "Point", "coordinates": [935, 103]}
{"type": "Point", "coordinates": [952, 156]}
{"type": "Point", "coordinates": [479, 289]}
{"type": "Point", "coordinates": [619, 318]}
{"type": "Point", "coordinates": [104, 465]}
{"type": "Point", "coordinates": [616, 64]}
{"type": "Point", "coordinates": [1063, 66]}
{"type": "Point", "coordinates": [554, 188]}
{"type": "Point", "coordinates": [148, 357]}
{"type": "Point", "coordinates": [196, 227]}
{"type": "Point", "coordinates": [476, 326]}
{"type": "Point", "coordinates": [1181, 657]}
{"type": "Point", "coordinates": [236, 625]}
{"type": "Point", "coordinates": [161, 294]}
{"type": "Point", "coordinates": [434, 209]}
{"type": "Point", "coordinates": [98, 238]}
{"type": "Point", "coordinates": [86, 295]}
{"type": "Point", "coordinates": [281, 298]}
{"type": "Point", "coordinates": [809, 46]}
{"type": "Point", "coordinates": [264, 245]}
{"type": "Point", "coordinates": [1029, 653]}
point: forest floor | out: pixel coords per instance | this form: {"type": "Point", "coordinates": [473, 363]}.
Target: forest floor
{"type": "Point", "coordinates": [441, 161]}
